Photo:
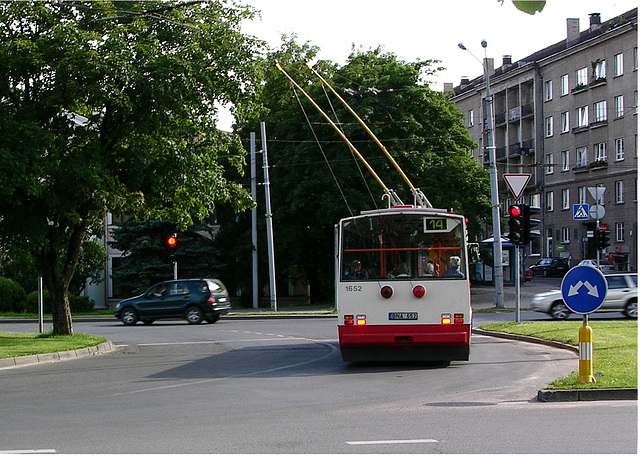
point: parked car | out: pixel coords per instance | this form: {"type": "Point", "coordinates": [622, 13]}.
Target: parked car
{"type": "Point", "coordinates": [555, 266]}
{"type": "Point", "coordinates": [192, 299]}
{"type": "Point", "coordinates": [622, 295]}
{"type": "Point", "coordinates": [604, 265]}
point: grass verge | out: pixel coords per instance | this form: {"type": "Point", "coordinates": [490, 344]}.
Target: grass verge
{"type": "Point", "coordinates": [19, 344]}
{"type": "Point", "coordinates": [615, 349]}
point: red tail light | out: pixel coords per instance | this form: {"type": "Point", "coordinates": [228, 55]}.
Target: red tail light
{"type": "Point", "coordinates": [211, 300]}
{"type": "Point", "coordinates": [386, 292]}
{"type": "Point", "coordinates": [419, 291]}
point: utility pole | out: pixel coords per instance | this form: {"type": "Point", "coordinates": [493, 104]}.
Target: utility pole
{"type": "Point", "coordinates": [269, 216]}
{"type": "Point", "coordinates": [254, 222]}
{"type": "Point", "coordinates": [493, 176]}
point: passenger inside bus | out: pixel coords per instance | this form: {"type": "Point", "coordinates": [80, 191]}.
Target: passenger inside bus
{"type": "Point", "coordinates": [356, 271]}
{"type": "Point", "coordinates": [454, 265]}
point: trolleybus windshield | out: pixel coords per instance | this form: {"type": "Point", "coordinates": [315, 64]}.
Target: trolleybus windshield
{"type": "Point", "coordinates": [403, 246]}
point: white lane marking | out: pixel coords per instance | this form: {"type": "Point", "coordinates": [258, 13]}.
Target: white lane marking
{"type": "Point", "coordinates": [28, 451]}
{"type": "Point", "coordinates": [417, 441]}
{"type": "Point", "coordinates": [218, 341]}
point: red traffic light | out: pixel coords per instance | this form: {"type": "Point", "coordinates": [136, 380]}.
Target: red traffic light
{"type": "Point", "coordinates": [515, 211]}
{"type": "Point", "coordinates": [172, 241]}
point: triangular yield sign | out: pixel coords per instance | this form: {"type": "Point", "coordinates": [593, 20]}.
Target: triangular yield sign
{"type": "Point", "coordinates": [517, 182]}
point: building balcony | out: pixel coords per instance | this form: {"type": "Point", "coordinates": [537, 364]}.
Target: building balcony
{"type": "Point", "coordinates": [581, 168]}
{"type": "Point", "coordinates": [579, 88]}
{"type": "Point", "coordinates": [582, 128]}
{"type": "Point", "coordinates": [598, 164]}
{"type": "Point", "coordinates": [597, 82]}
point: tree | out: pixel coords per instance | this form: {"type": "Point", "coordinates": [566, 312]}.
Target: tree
{"type": "Point", "coordinates": [315, 183]}
{"type": "Point", "coordinates": [111, 106]}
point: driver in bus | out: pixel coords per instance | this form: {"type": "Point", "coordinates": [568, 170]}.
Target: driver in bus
{"type": "Point", "coordinates": [356, 271]}
{"type": "Point", "coordinates": [454, 265]}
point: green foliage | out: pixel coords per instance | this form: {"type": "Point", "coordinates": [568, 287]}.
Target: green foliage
{"type": "Point", "coordinates": [78, 304]}
{"type": "Point", "coordinates": [12, 296]}
{"type": "Point", "coordinates": [108, 108]}
{"type": "Point", "coordinates": [530, 6]}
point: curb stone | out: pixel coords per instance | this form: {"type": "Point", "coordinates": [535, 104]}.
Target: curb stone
{"type": "Point", "coordinates": [566, 395]}
{"type": "Point", "coordinates": [12, 362]}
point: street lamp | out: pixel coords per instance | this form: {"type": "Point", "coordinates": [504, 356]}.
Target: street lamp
{"type": "Point", "coordinates": [493, 176]}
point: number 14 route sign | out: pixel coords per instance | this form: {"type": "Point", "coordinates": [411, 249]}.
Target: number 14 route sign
{"type": "Point", "coordinates": [584, 289]}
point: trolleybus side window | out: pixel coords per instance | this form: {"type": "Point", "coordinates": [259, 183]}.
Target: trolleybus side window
{"type": "Point", "coordinates": [403, 246]}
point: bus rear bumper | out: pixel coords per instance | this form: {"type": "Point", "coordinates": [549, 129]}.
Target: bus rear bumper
{"type": "Point", "coordinates": [405, 343]}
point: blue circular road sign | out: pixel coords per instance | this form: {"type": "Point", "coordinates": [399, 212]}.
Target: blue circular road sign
{"type": "Point", "coordinates": [584, 289]}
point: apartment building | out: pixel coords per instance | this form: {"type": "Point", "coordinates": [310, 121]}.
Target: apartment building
{"type": "Point", "coordinates": [567, 115]}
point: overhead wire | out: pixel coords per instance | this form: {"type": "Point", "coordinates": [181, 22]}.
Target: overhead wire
{"type": "Point", "coordinates": [344, 197]}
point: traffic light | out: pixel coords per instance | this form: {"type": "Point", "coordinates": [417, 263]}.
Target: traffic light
{"type": "Point", "coordinates": [172, 244]}
{"type": "Point", "coordinates": [516, 224]}
{"type": "Point", "coordinates": [528, 223]}
{"type": "Point", "coordinates": [603, 238]}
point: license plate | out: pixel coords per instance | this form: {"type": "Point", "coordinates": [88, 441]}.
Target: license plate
{"type": "Point", "coordinates": [403, 316]}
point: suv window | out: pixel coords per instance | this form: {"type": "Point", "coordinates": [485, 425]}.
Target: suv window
{"type": "Point", "coordinates": [634, 279]}
{"type": "Point", "coordinates": [616, 282]}
{"type": "Point", "coordinates": [214, 286]}
{"type": "Point", "coordinates": [178, 288]}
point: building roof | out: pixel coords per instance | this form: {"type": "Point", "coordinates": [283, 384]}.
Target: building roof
{"type": "Point", "coordinates": [621, 20]}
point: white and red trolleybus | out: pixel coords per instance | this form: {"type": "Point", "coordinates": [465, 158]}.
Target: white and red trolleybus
{"type": "Point", "coordinates": [402, 286]}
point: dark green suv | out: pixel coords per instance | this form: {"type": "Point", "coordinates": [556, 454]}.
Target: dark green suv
{"type": "Point", "coordinates": [192, 299]}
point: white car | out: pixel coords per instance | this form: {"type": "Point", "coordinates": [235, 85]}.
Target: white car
{"type": "Point", "coordinates": [622, 295]}
{"type": "Point", "coordinates": [604, 265]}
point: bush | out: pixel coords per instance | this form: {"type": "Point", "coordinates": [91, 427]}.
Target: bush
{"type": "Point", "coordinates": [76, 303]}
{"type": "Point", "coordinates": [12, 296]}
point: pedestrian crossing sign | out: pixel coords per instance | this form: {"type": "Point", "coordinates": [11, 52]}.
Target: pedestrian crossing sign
{"type": "Point", "coordinates": [581, 212]}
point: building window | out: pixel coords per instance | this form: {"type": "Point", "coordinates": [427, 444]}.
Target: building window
{"type": "Point", "coordinates": [635, 58]}
{"type": "Point", "coordinates": [565, 160]}
{"type": "Point", "coordinates": [470, 118]}
{"type": "Point", "coordinates": [549, 167]}
{"type": "Point", "coordinates": [582, 157]}
{"type": "Point", "coordinates": [600, 152]}
{"type": "Point", "coordinates": [582, 116]}
{"type": "Point", "coordinates": [600, 111]}
{"type": "Point", "coordinates": [548, 126]}
{"type": "Point", "coordinates": [600, 70]}
{"type": "Point", "coordinates": [564, 84]}
{"type": "Point", "coordinates": [566, 235]}
{"type": "Point", "coordinates": [619, 192]}
{"type": "Point", "coordinates": [565, 198]}
{"type": "Point", "coordinates": [618, 65]}
{"type": "Point", "coordinates": [548, 90]}
{"type": "Point", "coordinates": [635, 102]}
{"type": "Point", "coordinates": [549, 200]}
{"type": "Point", "coordinates": [582, 77]}
{"type": "Point", "coordinates": [564, 118]}
{"type": "Point", "coordinates": [619, 149]}
{"type": "Point", "coordinates": [620, 232]}
{"type": "Point", "coordinates": [618, 101]}
{"type": "Point", "coordinates": [582, 195]}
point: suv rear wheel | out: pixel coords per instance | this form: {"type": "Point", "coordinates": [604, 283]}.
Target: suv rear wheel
{"type": "Point", "coordinates": [194, 315]}
{"type": "Point", "coordinates": [631, 310]}
{"type": "Point", "coordinates": [559, 311]}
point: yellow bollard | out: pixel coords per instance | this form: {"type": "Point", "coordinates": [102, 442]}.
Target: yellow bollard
{"type": "Point", "coordinates": [585, 340]}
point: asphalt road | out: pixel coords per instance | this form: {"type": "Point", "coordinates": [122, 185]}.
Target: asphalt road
{"type": "Point", "coordinates": [280, 386]}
